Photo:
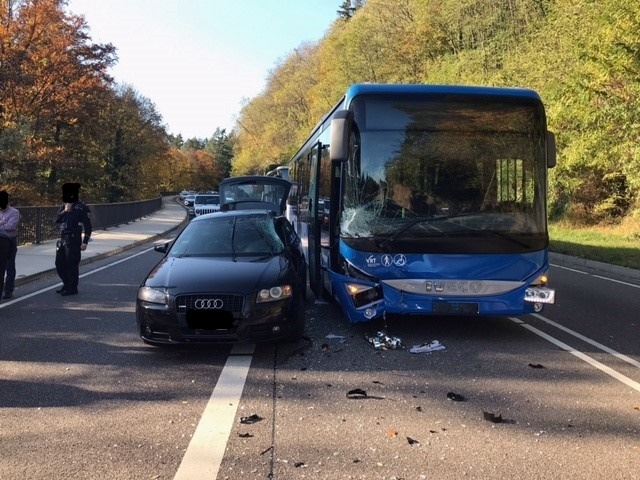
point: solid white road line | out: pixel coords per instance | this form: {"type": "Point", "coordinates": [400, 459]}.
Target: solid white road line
{"type": "Point", "coordinates": [205, 452]}
{"type": "Point", "coordinates": [600, 366]}
{"type": "Point", "coordinates": [602, 347]}
{"type": "Point", "coordinates": [601, 277]}
{"type": "Point", "coordinates": [42, 290]}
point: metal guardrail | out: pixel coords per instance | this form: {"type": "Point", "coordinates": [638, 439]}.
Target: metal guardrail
{"type": "Point", "coordinates": [37, 223]}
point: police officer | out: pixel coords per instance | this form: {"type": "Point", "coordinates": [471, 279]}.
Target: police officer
{"type": "Point", "coordinates": [73, 216]}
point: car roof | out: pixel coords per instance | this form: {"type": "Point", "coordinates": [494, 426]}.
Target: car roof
{"type": "Point", "coordinates": [233, 213]}
{"type": "Point", "coordinates": [276, 190]}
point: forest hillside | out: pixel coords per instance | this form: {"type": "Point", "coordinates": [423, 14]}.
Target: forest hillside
{"type": "Point", "coordinates": [582, 56]}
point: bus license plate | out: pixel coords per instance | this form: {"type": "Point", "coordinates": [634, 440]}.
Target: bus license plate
{"type": "Point", "coordinates": [456, 308]}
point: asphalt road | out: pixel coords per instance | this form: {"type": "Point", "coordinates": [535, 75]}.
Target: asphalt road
{"type": "Point", "coordinates": [81, 397]}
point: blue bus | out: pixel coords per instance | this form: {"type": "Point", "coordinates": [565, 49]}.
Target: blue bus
{"type": "Point", "coordinates": [427, 200]}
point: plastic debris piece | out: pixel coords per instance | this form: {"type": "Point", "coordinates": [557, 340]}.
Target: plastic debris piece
{"type": "Point", "coordinates": [382, 341]}
{"type": "Point", "coordinates": [492, 417]}
{"type": "Point", "coordinates": [536, 365]}
{"type": "Point", "coordinates": [332, 336]}
{"type": "Point", "coordinates": [299, 464]}
{"type": "Point", "coordinates": [455, 397]}
{"type": "Point", "coordinates": [251, 419]}
{"type": "Point", "coordinates": [357, 393]}
{"type": "Point", "coordinates": [412, 441]}
{"type": "Point", "coordinates": [245, 435]}
{"type": "Point", "coordinates": [432, 346]}
{"type": "Point", "coordinates": [266, 450]}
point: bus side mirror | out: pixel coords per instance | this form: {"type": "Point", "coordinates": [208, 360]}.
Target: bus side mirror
{"type": "Point", "coordinates": [340, 133]}
{"type": "Point", "coordinates": [551, 150]}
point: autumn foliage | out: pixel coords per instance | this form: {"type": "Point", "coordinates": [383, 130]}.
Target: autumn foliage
{"type": "Point", "coordinates": [581, 56]}
{"type": "Point", "coordinates": [63, 118]}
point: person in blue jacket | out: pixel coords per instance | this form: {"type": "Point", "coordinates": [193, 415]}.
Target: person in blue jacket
{"type": "Point", "coordinates": [73, 217]}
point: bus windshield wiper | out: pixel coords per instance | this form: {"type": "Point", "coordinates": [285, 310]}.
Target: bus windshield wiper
{"type": "Point", "coordinates": [417, 221]}
{"type": "Point", "coordinates": [506, 236]}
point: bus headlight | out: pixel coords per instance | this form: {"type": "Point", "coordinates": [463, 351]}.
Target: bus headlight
{"type": "Point", "coordinates": [538, 292]}
{"type": "Point", "coordinates": [363, 294]}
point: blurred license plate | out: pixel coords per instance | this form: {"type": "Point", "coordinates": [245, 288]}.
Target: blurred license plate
{"type": "Point", "coordinates": [209, 320]}
{"type": "Point", "coordinates": [455, 308]}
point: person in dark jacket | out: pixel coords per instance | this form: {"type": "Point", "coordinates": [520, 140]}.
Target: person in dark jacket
{"type": "Point", "coordinates": [5, 252]}
{"type": "Point", "coordinates": [9, 221]}
{"type": "Point", "coordinates": [73, 217]}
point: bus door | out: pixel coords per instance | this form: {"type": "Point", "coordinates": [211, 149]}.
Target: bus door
{"type": "Point", "coordinates": [314, 230]}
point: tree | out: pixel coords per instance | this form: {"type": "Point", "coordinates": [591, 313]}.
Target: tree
{"type": "Point", "coordinates": [220, 147]}
{"type": "Point", "coordinates": [50, 74]}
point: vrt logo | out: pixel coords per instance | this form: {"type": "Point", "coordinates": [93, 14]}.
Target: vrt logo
{"type": "Point", "coordinates": [372, 261]}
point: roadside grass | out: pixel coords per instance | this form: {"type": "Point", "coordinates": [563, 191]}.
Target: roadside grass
{"type": "Point", "coordinates": [616, 244]}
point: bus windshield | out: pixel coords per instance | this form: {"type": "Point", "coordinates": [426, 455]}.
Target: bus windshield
{"type": "Point", "coordinates": [427, 170]}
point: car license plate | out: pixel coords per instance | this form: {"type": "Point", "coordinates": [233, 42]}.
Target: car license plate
{"type": "Point", "coordinates": [456, 308]}
{"type": "Point", "coordinates": [208, 320]}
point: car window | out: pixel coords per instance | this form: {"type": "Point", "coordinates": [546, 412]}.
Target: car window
{"type": "Point", "coordinates": [229, 236]}
{"type": "Point", "coordinates": [207, 199]}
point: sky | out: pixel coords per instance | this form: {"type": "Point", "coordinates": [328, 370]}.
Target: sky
{"type": "Point", "coordinates": [199, 60]}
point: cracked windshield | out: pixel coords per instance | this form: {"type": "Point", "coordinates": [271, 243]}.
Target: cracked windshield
{"type": "Point", "coordinates": [425, 170]}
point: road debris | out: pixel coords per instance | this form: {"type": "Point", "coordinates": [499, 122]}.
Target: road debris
{"type": "Point", "coordinates": [251, 419]}
{"type": "Point", "coordinates": [432, 346]}
{"type": "Point", "coordinates": [492, 417]}
{"type": "Point", "coordinates": [455, 397]}
{"type": "Point", "coordinates": [536, 365]}
{"type": "Point", "coordinates": [267, 450]}
{"type": "Point", "coordinates": [357, 393]}
{"type": "Point", "coordinates": [382, 341]}
{"type": "Point", "coordinates": [412, 441]}
{"type": "Point", "coordinates": [332, 336]}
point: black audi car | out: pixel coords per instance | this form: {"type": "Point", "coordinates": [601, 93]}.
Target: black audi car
{"type": "Point", "coordinates": [238, 275]}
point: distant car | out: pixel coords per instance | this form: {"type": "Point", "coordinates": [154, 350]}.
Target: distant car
{"type": "Point", "coordinates": [205, 203]}
{"type": "Point", "coordinates": [232, 276]}
{"type": "Point", "coordinates": [189, 199]}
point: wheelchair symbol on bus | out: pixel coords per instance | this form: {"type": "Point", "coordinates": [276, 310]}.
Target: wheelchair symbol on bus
{"type": "Point", "coordinates": [400, 260]}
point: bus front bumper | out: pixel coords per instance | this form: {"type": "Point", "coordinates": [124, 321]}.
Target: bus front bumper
{"type": "Point", "coordinates": [369, 302]}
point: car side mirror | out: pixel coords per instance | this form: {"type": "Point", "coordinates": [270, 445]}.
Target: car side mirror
{"type": "Point", "coordinates": [161, 248]}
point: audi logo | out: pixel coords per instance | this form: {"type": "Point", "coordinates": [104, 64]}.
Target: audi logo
{"type": "Point", "coordinates": [204, 304]}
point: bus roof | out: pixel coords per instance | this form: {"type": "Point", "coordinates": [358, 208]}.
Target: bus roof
{"type": "Point", "coordinates": [373, 88]}
{"type": "Point", "coordinates": [418, 88]}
